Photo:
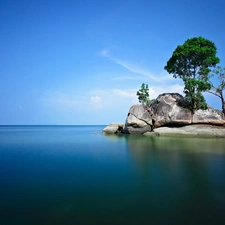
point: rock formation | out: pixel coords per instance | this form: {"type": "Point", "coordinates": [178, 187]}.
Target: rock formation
{"type": "Point", "coordinates": [113, 129]}
{"type": "Point", "coordinates": [168, 111]}
{"type": "Point", "coordinates": [208, 116]}
{"type": "Point", "coordinates": [193, 130]}
{"type": "Point", "coordinates": [139, 120]}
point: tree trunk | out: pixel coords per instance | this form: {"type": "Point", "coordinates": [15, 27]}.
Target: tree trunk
{"type": "Point", "coordinates": [223, 106]}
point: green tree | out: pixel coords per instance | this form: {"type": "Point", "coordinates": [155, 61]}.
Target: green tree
{"type": "Point", "coordinates": [218, 91]}
{"type": "Point", "coordinates": [143, 94]}
{"type": "Point", "coordinates": [192, 62]}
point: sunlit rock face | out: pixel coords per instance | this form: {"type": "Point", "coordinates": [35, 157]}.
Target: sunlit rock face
{"type": "Point", "coordinates": [167, 110]}
{"type": "Point", "coordinates": [193, 130]}
{"type": "Point", "coordinates": [139, 120]}
{"type": "Point", "coordinates": [208, 116]}
{"type": "Point", "coordinates": [113, 128]}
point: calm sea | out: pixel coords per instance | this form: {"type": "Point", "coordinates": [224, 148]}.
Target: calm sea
{"type": "Point", "coordinates": [75, 175]}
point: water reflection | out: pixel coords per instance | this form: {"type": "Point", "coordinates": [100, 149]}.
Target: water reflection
{"type": "Point", "coordinates": [73, 176]}
{"type": "Point", "coordinates": [188, 173]}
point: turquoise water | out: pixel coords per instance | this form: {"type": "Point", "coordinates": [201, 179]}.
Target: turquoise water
{"type": "Point", "coordinates": [76, 175]}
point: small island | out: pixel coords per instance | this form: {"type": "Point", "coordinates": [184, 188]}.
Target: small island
{"type": "Point", "coordinates": [167, 117]}
{"type": "Point", "coordinates": [171, 113]}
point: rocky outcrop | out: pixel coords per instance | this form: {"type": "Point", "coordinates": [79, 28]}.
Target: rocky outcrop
{"type": "Point", "coordinates": [193, 130]}
{"type": "Point", "coordinates": [113, 129]}
{"type": "Point", "coordinates": [209, 116]}
{"type": "Point", "coordinates": [139, 120]}
{"type": "Point", "coordinates": [168, 111]}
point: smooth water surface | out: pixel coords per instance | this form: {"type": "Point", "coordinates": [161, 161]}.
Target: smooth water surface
{"type": "Point", "coordinates": [76, 175]}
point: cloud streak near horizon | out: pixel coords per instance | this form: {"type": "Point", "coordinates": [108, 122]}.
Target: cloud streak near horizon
{"type": "Point", "coordinates": [98, 97]}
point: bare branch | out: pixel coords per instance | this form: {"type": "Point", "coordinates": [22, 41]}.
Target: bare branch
{"type": "Point", "coordinates": [214, 93]}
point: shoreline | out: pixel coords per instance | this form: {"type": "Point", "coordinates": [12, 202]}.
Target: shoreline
{"type": "Point", "coordinates": [192, 130]}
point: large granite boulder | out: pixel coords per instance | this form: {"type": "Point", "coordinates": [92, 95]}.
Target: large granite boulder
{"type": "Point", "coordinates": [113, 128]}
{"type": "Point", "coordinates": [139, 120]}
{"type": "Point", "coordinates": [168, 110]}
{"type": "Point", "coordinates": [208, 116]}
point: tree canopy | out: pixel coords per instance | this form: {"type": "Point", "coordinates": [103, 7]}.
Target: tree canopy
{"type": "Point", "coordinates": [143, 94]}
{"type": "Point", "coordinates": [192, 62]}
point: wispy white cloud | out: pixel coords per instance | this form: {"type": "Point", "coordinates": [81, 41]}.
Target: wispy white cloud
{"type": "Point", "coordinates": [128, 95]}
{"type": "Point", "coordinates": [166, 77]}
{"type": "Point", "coordinates": [99, 101]}
{"type": "Point", "coordinates": [115, 97]}
{"type": "Point", "coordinates": [66, 101]}
{"type": "Point", "coordinates": [105, 52]}
{"type": "Point", "coordinates": [127, 78]}
{"type": "Point", "coordinates": [125, 93]}
{"type": "Point", "coordinates": [131, 67]}
{"type": "Point", "coordinates": [111, 98]}
{"type": "Point", "coordinates": [96, 102]}
{"type": "Point", "coordinates": [155, 91]}
{"type": "Point", "coordinates": [96, 99]}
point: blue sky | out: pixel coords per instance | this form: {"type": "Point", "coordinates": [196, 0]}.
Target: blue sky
{"type": "Point", "coordinates": [82, 62]}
